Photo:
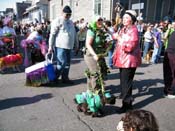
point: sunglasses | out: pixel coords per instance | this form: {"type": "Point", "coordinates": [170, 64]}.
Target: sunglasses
{"type": "Point", "coordinates": [100, 19]}
{"type": "Point", "coordinates": [68, 14]}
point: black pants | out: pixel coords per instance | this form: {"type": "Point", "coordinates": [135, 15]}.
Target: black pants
{"type": "Point", "coordinates": [126, 82]}
{"type": "Point", "coordinates": [169, 73]}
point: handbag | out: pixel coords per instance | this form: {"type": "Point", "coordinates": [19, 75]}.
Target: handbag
{"type": "Point", "coordinates": [50, 68]}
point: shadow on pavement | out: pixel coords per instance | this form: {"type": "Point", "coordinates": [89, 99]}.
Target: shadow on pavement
{"type": "Point", "coordinates": [19, 101]}
{"type": "Point", "coordinates": [145, 88]}
{"type": "Point", "coordinates": [109, 110]}
{"type": "Point", "coordinates": [59, 84]}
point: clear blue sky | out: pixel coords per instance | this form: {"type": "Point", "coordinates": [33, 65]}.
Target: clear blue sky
{"type": "Point", "coordinates": [8, 4]}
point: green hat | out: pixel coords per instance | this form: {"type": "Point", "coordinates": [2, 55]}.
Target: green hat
{"type": "Point", "coordinates": [93, 25]}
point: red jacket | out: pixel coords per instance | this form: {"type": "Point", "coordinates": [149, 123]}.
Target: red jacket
{"type": "Point", "coordinates": [127, 53]}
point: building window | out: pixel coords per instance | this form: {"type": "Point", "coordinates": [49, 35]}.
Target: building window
{"type": "Point", "coordinates": [97, 7]}
{"type": "Point", "coordinates": [53, 11]}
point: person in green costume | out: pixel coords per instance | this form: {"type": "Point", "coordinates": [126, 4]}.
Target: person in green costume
{"type": "Point", "coordinates": [96, 48]}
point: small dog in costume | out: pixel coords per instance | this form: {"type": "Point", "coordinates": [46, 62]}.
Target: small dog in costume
{"type": "Point", "coordinates": [91, 104]}
{"type": "Point", "coordinates": [11, 61]}
{"type": "Point", "coordinates": [148, 56]}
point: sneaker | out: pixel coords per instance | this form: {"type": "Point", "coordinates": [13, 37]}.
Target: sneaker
{"type": "Point", "coordinates": [147, 62]}
{"type": "Point", "coordinates": [169, 96]}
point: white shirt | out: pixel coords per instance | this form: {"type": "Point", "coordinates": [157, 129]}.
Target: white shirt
{"type": "Point", "coordinates": [63, 34]}
{"type": "Point", "coordinates": [148, 36]}
{"type": "Point", "coordinates": [32, 35]}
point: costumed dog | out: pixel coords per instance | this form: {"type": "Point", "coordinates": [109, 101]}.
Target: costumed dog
{"type": "Point", "coordinates": [148, 56]}
{"type": "Point", "coordinates": [91, 104]}
{"type": "Point", "coordinates": [11, 61]}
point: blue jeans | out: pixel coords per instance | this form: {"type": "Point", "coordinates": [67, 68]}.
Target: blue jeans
{"type": "Point", "coordinates": [154, 58]}
{"type": "Point", "coordinates": [147, 46]}
{"type": "Point", "coordinates": [63, 59]}
{"type": "Point", "coordinates": [110, 53]}
{"type": "Point", "coordinates": [160, 50]}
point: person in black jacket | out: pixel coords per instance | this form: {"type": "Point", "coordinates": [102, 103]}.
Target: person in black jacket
{"type": "Point", "coordinates": [169, 68]}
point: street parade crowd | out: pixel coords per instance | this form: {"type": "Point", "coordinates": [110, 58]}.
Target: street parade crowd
{"type": "Point", "coordinates": [45, 53]}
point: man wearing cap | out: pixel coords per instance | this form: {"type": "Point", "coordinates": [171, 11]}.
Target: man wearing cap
{"type": "Point", "coordinates": [61, 41]}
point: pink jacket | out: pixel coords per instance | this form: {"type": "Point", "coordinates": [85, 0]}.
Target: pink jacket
{"type": "Point", "coordinates": [127, 53]}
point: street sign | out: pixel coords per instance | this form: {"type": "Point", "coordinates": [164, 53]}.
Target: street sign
{"type": "Point", "coordinates": [138, 6]}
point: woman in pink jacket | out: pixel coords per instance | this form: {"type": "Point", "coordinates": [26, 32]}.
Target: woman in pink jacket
{"type": "Point", "coordinates": [127, 57]}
